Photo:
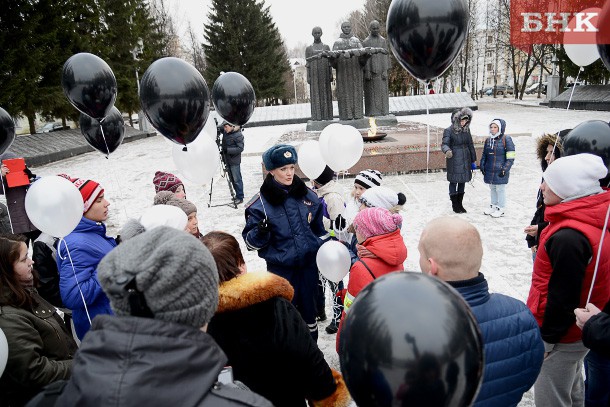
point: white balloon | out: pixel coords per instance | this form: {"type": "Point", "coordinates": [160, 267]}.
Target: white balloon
{"type": "Point", "coordinates": [54, 205]}
{"type": "Point", "coordinates": [3, 351]}
{"type": "Point", "coordinates": [325, 137]}
{"type": "Point", "coordinates": [164, 215]}
{"type": "Point", "coordinates": [585, 51]}
{"type": "Point", "coordinates": [333, 260]}
{"type": "Point", "coordinates": [310, 159]}
{"type": "Point", "coordinates": [199, 163]}
{"type": "Point", "coordinates": [344, 148]}
{"type": "Point", "coordinates": [209, 130]}
{"type": "Point", "coordinates": [582, 54]}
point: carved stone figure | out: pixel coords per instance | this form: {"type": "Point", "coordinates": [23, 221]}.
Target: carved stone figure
{"type": "Point", "coordinates": [348, 58]}
{"type": "Point", "coordinates": [319, 77]}
{"type": "Point", "coordinates": [376, 94]}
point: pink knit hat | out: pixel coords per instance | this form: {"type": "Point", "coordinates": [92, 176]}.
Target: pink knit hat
{"type": "Point", "coordinates": [376, 221]}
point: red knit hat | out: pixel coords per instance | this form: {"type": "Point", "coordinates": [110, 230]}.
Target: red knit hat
{"type": "Point", "coordinates": [89, 190]}
{"type": "Point", "coordinates": [164, 181]}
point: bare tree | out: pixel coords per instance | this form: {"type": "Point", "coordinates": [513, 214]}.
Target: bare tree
{"type": "Point", "coordinates": [194, 47]}
{"type": "Point", "coordinates": [167, 27]}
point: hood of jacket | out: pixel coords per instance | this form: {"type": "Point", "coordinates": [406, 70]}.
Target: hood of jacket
{"type": "Point", "coordinates": [276, 195]}
{"type": "Point", "coordinates": [252, 288]}
{"type": "Point", "coordinates": [141, 361]}
{"type": "Point", "coordinates": [389, 247]}
{"type": "Point", "coordinates": [455, 119]}
{"type": "Point", "coordinates": [590, 210]}
{"type": "Point", "coordinates": [541, 146]}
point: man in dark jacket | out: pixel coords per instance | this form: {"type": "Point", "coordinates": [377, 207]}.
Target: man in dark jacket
{"type": "Point", "coordinates": [451, 249]}
{"type": "Point", "coordinates": [163, 287]}
{"type": "Point", "coordinates": [565, 264]}
{"type": "Point", "coordinates": [595, 325]}
{"type": "Point", "coordinates": [232, 147]}
{"type": "Point", "coordinates": [284, 223]}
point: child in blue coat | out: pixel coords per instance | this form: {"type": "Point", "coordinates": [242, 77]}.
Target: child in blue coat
{"type": "Point", "coordinates": [498, 157]}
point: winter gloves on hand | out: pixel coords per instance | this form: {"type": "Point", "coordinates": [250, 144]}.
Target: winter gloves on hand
{"type": "Point", "coordinates": [264, 226]}
{"type": "Point", "coordinates": [449, 154]}
{"type": "Point", "coordinates": [502, 174]}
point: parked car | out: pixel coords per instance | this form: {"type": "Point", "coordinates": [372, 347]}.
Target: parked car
{"type": "Point", "coordinates": [485, 90]}
{"type": "Point", "coordinates": [49, 127]}
{"type": "Point", "coordinates": [534, 88]}
{"type": "Point", "coordinates": [500, 90]}
{"type": "Point", "coordinates": [571, 84]}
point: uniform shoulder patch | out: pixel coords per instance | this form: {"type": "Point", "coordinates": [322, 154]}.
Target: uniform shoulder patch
{"type": "Point", "coordinates": [253, 199]}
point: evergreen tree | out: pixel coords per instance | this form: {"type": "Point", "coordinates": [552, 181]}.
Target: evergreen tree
{"type": "Point", "coordinates": [242, 37]}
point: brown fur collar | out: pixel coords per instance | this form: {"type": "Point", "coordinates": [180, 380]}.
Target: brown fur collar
{"type": "Point", "coordinates": [252, 288]}
{"type": "Point", "coordinates": [340, 398]}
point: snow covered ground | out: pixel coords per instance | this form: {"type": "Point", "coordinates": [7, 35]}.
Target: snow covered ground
{"type": "Point", "coordinates": [127, 177]}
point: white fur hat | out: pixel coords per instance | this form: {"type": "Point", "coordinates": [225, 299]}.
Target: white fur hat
{"type": "Point", "coordinates": [575, 176]}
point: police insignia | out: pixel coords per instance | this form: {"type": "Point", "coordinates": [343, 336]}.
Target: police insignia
{"type": "Point", "coordinates": [287, 154]}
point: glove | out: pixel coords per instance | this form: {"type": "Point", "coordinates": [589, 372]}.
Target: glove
{"type": "Point", "coordinates": [340, 223]}
{"type": "Point", "coordinates": [264, 226]}
{"type": "Point", "coordinates": [473, 166]}
{"type": "Point", "coordinates": [502, 174]}
{"type": "Point", "coordinates": [449, 154]}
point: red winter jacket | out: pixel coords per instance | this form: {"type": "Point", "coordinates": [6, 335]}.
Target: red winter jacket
{"type": "Point", "coordinates": [585, 215]}
{"type": "Point", "coordinates": [391, 253]}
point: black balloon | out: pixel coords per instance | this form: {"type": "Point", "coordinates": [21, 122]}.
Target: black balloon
{"type": "Point", "coordinates": [7, 130]}
{"type": "Point", "coordinates": [426, 35]}
{"type": "Point", "coordinates": [175, 98]}
{"type": "Point", "coordinates": [113, 131]}
{"type": "Point", "coordinates": [411, 340]}
{"type": "Point", "coordinates": [89, 84]}
{"type": "Point", "coordinates": [234, 98]}
{"type": "Point", "coordinates": [592, 136]}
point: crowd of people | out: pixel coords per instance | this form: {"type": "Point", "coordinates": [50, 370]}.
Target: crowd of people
{"type": "Point", "coordinates": [169, 313]}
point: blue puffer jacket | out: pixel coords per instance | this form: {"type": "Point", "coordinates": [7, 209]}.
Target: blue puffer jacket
{"type": "Point", "coordinates": [512, 343]}
{"type": "Point", "coordinates": [295, 217]}
{"type": "Point", "coordinates": [498, 155]}
{"type": "Point", "coordinates": [87, 245]}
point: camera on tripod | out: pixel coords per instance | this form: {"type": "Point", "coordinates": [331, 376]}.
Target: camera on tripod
{"type": "Point", "coordinates": [225, 170]}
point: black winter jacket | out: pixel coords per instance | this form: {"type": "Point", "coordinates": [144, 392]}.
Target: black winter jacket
{"type": "Point", "coordinates": [131, 361]}
{"type": "Point", "coordinates": [232, 147]}
{"type": "Point", "coordinates": [596, 332]}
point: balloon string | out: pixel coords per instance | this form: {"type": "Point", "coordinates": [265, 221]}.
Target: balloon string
{"type": "Point", "coordinates": [61, 239]}
{"type": "Point", "coordinates": [574, 87]}
{"type": "Point", "coordinates": [8, 211]}
{"type": "Point", "coordinates": [599, 254]}
{"type": "Point", "coordinates": [104, 138]}
{"type": "Point", "coordinates": [427, 147]}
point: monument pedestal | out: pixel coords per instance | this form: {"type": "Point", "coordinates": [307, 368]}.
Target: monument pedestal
{"type": "Point", "coordinates": [361, 124]}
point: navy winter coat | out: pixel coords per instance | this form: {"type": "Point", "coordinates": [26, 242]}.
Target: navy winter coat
{"type": "Point", "coordinates": [511, 340]}
{"type": "Point", "coordinates": [87, 244]}
{"type": "Point", "coordinates": [295, 217]}
{"type": "Point", "coordinates": [498, 155]}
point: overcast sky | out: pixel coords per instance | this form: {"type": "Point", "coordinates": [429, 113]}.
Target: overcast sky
{"type": "Point", "coordinates": [294, 19]}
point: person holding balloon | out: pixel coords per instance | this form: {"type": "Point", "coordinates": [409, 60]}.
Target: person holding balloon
{"type": "Point", "coordinates": [378, 231]}
{"type": "Point", "coordinates": [232, 147]}
{"type": "Point", "coordinates": [261, 332]}
{"type": "Point", "coordinates": [78, 256]}
{"type": "Point", "coordinates": [40, 345]}
{"type": "Point", "coordinates": [461, 156]}
{"type": "Point", "coordinates": [284, 224]}
{"type": "Point", "coordinates": [571, 269]}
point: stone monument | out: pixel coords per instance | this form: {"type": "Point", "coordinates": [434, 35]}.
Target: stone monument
{"type": "Point", "coordinates": [319, 77]}
{"type": "Point", "coordinates": [376, 94]}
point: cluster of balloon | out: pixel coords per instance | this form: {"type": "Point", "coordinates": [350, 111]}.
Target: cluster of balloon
{"type": "Point", "coordinates": [591, 136]}
{"type": "Point", "coordinates": [426, 36]}
{"type": "Point", "coordinates": [603, 34]}
{"type": "Point", "coordinates": [106, 136]}
{"type": "Point", "coordinates": [89, 84]}
{"type": "Point", "coordinates": [199, 162]}
{"type": "Point", "coordinates": [410, 340]}
{"type": "Point", "coordinates": [54, 205]}
{"type": "Point", "coordinates": [341, 146]}
{"type": "Point", "coordinates": [582, 52]}
{"type": "Point", "coordinates": [310, 159]}
{"type": "Point", "coordinates": [333, 260]}
{"type": "Point", "coordinates": [234, 98]}
{"type": "Point", "coordinates": [175, 99]}
{"type": "Point", "coordinates": [7, 130]}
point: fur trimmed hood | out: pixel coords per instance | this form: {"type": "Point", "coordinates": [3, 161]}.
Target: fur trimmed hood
{"type": "Point", "coordinates": [541, 146]}
{"type": "Point", "coordinates": [252, 288]}
{"type": "Point", "coordinates": [455, 119]}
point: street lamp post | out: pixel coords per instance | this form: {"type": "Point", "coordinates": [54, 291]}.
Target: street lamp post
{"type": "Point", "coordinates": [142, 122]}
{"type": "Point", "coordinates": [461, 65]}
{"type": "Point", "coordinates": [294, 82]}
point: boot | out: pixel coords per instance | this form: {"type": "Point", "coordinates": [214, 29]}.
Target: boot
{"type": "Point", "coordinates": [459, 198]}
{"type": "Point", "coordinates": [454, 204]}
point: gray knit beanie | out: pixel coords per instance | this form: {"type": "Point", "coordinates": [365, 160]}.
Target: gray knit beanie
{"type": "Point", "coordinates": [174, 270]}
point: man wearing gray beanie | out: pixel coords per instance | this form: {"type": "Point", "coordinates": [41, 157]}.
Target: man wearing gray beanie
{"type": "Point", "coordinates": [565, 272]}
{"type": "Point", "coordinates": [163, 288]}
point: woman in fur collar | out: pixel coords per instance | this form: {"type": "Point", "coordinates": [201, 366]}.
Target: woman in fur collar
{"type": "Point", "coordinates": [461, 156]}
{"type": "Point", "coordinates": [264, 337]}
